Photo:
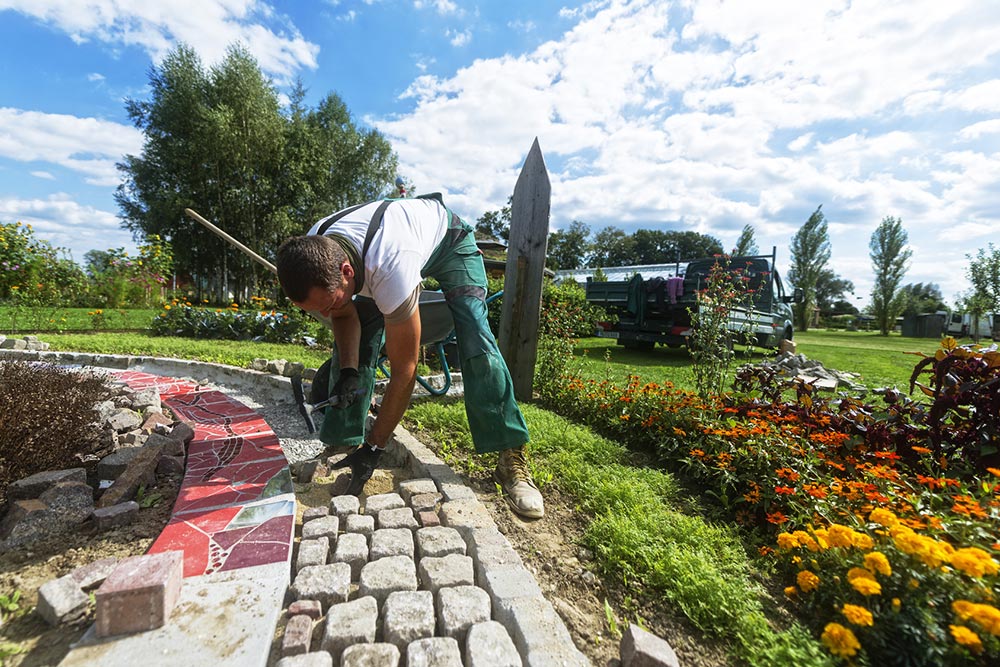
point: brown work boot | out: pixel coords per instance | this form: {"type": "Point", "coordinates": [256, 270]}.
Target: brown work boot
{"type": "Point", "coordinates": [513, 476]}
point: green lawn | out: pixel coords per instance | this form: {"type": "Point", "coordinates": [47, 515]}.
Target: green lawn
{"type": "Point", "coordinates": [879, 360]}
{"type": "Point", "coordinates": [26, 320]}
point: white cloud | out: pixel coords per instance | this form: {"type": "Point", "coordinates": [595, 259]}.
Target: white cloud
{"type": "Point", "coordinates": [977, 130]}
{"type": "Point", "coordinates": [99, 78]}
{"type": "Point", "coordinates": [89, 146]}
{"type": "Point", "coordinates": [209, 26]}
{"type": "Point", "coordinates": [442, 7]}
{"type": "Point", "coordinates": [67, 224]}
{"type": "Point", "coordinates": [522, 26]}
{"type": "Point", "coordinates": [459, 38]}
{"type": "Point", "coordinates": [348, 17]}
{"type": "Point", "coordinates": [731, 118]}
{"type": "Point", "coordinates": [44, 175]}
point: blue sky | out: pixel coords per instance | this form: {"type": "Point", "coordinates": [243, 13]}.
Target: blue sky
{"type": "Point", "coordinates": [694, 115]}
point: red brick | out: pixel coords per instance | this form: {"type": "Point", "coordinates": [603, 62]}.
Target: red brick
{"type": "Point", "coordinates": [429, 519]}
{"type": "Point", "coordinates": [298, 635]}
{"type": "Point", "coordinates": [310, 608]}
{"type": "Point", "coordinates": [140, 593]}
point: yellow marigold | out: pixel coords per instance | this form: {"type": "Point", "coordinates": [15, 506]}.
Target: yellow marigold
{"type": "Point", "coordinates": [859, 573]}
{"type": "Point", "coordinates": [840, 640]}
{"type": "Point", "coordinates": [974, 562]}
{"type": "Point", "coordinates": [807, 581]}
{"type": "Point", "coordinates": [988, 617]}
{"type": "Point", "coordinates": [805, 540]}
{"type": "Point", "coordinates": [883, 517]}
{"type": "Point", "coordinates": [966, 638]}
{"type": "Point", "coordinates": [840, 536]}
{"type": "Point", "coordinates": [876, 562]}
{"type": "Point", "coordinates": [821, 539]}
{"type": "Point", "coordinates": [935, 552]}
{"type": "Point", "coordinates": [791, 592]}
{"type": "Point", "coordinates": [857, 615]}
{"type": "Point", "coordinates": [866, 586]}
{"type": "Point", "coordinates": [863, 541]}
{"type": "Point", "coordinates": [897, 604]}
{"type": "Point", "coordinates": [909, 542]}
{"type": "Point", "coordinates": [787, 541]}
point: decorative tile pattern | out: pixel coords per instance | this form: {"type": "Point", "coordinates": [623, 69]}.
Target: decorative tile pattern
{"type": "Point", "coordinates": [236, 504]}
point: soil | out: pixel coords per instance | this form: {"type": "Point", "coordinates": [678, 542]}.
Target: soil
{"type": "Point", "coordinates": [26, 569]}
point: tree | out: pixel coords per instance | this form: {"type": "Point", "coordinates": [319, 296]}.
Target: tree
{"type": "Point", "coordinates": [611, 247]}
{"type": "Point", "coordinates": [984, 274]}
{"type": "Point", "coordinates": [810, 254]}
{"type": "Point", "coordinates": [890, 258]}
{"type": "Point", "coordinates": [568, 249]}
{"type": "Point", "coordinates": [921, 298]}
{"type": "Point", "coordinates": [495, 224]}
{"type": "Point", "coordinates": [217, 141]}
{"type": "Point", "coordinates": [831, 293]}
{"type": "Point", "coordinates": [746, 245]}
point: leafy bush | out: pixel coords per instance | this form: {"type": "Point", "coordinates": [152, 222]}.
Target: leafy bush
{"type": "Point", "coordinates": [179, 319]}
{"type": "Point", "coordinates": [47, 417]}
{"type": "Point", "coordinates": [33, 274]}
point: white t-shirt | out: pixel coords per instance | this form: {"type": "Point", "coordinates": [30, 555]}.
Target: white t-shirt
{"type": "Point", "coordinates": [411, 230]}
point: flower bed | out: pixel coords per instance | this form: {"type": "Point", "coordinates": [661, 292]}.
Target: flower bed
{"type": "Point", "coordinates": [884, 512]}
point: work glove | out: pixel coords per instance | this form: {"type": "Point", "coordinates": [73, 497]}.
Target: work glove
{"type": "Point", "coordinates": [363, 462]}
{"type": "Point", "coordinates": [347, 388]}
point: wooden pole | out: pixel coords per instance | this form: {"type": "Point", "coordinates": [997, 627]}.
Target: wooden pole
{"type": "Point", "coordinates": [522, 296]}
{"type": "Point", "coordinates": [233, 242]}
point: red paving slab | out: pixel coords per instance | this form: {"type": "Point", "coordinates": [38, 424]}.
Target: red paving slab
{"type": "Point", "coordinates": [139, 594]}
{"type": "Point", "coordinates": [235, 507]}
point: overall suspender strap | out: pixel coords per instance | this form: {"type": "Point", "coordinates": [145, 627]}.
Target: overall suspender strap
{"type": "Point", "coordinates": [373, 225]}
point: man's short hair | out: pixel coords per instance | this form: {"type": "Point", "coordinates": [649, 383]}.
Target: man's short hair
{"type": "Point", "coordinates": [305, 262]}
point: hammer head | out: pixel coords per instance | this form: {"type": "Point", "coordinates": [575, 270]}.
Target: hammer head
{"type": "Point", "coordinates": [305, 409]}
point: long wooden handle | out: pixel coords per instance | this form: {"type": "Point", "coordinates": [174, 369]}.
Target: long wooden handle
{"type": "Point", "coordinates": [226, 237]}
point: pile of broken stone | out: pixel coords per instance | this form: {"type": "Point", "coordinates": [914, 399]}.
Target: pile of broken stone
{"type": "Point", "coordinates": [29, 343]}
{"type": "Point", "coordinates": [797, 366]}
{"type": "Point", "coordinates": [139, 443]}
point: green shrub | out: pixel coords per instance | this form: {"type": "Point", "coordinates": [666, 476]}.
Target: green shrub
{"type": "Point", "coordinates": [230, 324]}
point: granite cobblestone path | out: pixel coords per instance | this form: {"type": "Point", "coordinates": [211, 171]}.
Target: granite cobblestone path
{"type": "Point", "coordinates": [418, 576]}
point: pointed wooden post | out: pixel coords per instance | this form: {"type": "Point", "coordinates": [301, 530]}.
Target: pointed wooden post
{"type": "Point", "coordinates": [522, 293]}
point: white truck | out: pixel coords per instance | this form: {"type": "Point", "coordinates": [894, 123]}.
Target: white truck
{"type": "Point", "coordinates": [962, 325]}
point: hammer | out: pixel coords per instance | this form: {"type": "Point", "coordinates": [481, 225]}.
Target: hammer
{"type": "Point", "coordinates": [307, 409]}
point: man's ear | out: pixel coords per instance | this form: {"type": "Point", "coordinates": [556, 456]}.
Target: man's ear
{"type": "Point", "coordinates": [347, 270]}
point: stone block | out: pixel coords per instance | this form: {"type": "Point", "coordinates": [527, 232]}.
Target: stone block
{"type": "Point", "coordinates": [276, 366]}
{"type": "Point", "coordinates": [391, 542]}
{"type": "Point", "coordinates": [314, 513]}
{"type": "Point", "coordinates": [28, 521]}
{"type": "Point", "coordinates": [140, 593]}
{"type": "Point", "coordinates": [352, 548]}
{"type": "Point", "coordinates": [170, 466]}
{"type": "Point", "coordinates": [504, 583]}
{"type": "Point", "coordinates": [154, 419]}
{"type": "Point", "coordinates": [35, 485]}
{"type": "Point", "coordinates": [415, 487]}
{"type": "Point", "coordinates": [644, 649]}
{"type": "Point", "coordinates": [787, 346]}
{"type": "Point", "coordinates": [452, 570]}
{"type": "Point", "coordinates": [425, 502]}
{"type": "Point", "coordinates": [312, 552]}
{"type": "Point", "coordinates": [327, 526]}
{"type": "Point", "coordinates": [145, 398]}
{"type": "Point", "coordinates": [370, 655]}
{"type": "Point", "coordinates": [383, 501]}
{"type": "Point", "coordinates": [115, 463]}
{"type": "Point", "coordinates": [350, 623]}
{"type": "Point", "coordinates": [360, 523]}
{"type": "Point", "coordinates": [327, 584]}
{"type": "Point", "coordinates": [315, 659]}
{"type": "Point", "coordinates": [538, 632]}
{"type": "Point", "coordinates": [344, 506]}
{"type": "Point", "coordinates": [139, 470]}
{"type": "Point", "coordinates": [121, 514]}
{"type": "Point", "coordinates": [173, 443]}
{"type": "Point", "coordinates": [93, 574]}
{"type": "Point", "coordinates": [14, 344]}
{"type": "Point", "coordinates": [459, 608]}
{"type": "Point", "coordinates": [387, 575]}
{"type": "Point", "coordinates": [489, 645]}
{"type": "Point", "coordinates": [429, 519]}
{"type": "Point", "coordinates": [408, 616]}
{"type": "Point", "coordinates": [61, 601]}
{"type": "Point", "coordinates": [182, 431]}
{"type": "Point", "coordinates": [434, 652]}
{"type": "Point", "coordinates": [298, 635]}
{"type": "Point", "coordinates": [438, 541]}
{"type": "Point", "coordinates": [311, 608]}
{"type": "Point", "coordinates": [401, 517]}
{"type": "Point", "coordinates": [73, 501]}
{"type": "Point", "coordinates": [465, 515]}
{"type": "Point", "coordinates": [495, 558]}
{"type": "Point", "coordinates": [124, 420]}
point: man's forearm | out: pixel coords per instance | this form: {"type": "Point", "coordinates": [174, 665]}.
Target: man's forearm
{"type": "Point", "coordinates": [393, 406]}
{"type": "Point", "coordinates": [347, 338]}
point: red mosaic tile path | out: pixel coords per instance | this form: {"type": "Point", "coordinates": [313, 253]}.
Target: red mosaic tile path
{"type": "Point", "coordinates": [236, 504]}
